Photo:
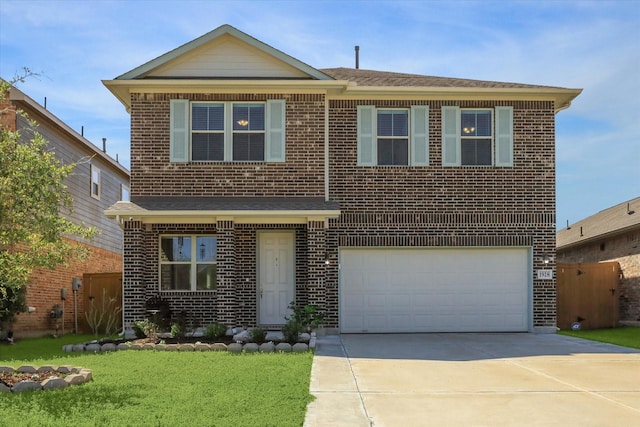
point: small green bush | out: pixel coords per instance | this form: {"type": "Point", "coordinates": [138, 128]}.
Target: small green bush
{"type": "Point", "coordinates": [146, 328]}
{"type": "Point", "coordinates": [177, 331]}
{"type": "Point", "coordinates": [291, 330]}
{"type": "Point", "coordinates": [258, 335]}
{"type": "Point", "coordinates": [215, 331]}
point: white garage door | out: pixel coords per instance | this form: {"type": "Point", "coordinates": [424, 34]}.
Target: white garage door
{"type": "Point", "coordinates": [434, 290]}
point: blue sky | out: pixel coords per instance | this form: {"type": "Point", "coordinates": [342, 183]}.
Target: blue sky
{"type": "Point", "coordinates": [594, 45]}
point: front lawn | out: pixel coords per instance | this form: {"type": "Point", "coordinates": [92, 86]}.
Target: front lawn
{"type": "Point", "coordinates": [626, 336]}
{"type": "Point", "coordinates": [153, 388]}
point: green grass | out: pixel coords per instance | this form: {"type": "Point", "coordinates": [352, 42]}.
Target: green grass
{"type": "Point", "coordinates": [154, 388]}
{"type": "Point", "coordinates": [625, 336]}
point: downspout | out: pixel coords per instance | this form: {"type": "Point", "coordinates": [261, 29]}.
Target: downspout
{"type": "Point", "coordinates": [326, 149]}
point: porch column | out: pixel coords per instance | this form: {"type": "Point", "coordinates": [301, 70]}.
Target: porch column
{"type": "Point", "coordinates": [226, 301]}
{"type": "Point", "coordinates": [316, 256]}
{"type": "Point", "coordinates": [133, 283]}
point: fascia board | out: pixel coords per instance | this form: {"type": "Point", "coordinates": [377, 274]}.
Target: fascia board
{"type": "Point", "coordinates": [562, 97]}
{"type": "Point", "coordinates": [244, 216]}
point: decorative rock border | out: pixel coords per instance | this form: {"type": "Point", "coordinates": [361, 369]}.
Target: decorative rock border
{"type": "Point", "coordinates": [73, 376]}
{"type": "Point", "coordinates": [268, 347]}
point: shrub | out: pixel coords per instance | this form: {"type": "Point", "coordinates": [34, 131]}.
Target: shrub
{"type": "Point", "coordinates": [258, 335]}
{"type": "Point", "coordinates": [145, 328]}
{"type": "Point", "coordinates": [307, 316]}
{"type": "Point", "coordinates": [215, 331]}
{"type": "Point", "coordinates": [177, 331]}
{"type": "Point", "coordinates": [291, 331]}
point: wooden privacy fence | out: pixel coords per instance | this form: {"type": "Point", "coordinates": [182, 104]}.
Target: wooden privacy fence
{"type": "Point", "coordinates": [102, 303]}
{"type": "Point", "coordinates": [588, 294]}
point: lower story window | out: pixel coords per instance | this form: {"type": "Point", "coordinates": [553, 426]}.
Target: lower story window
{"type": "Point", "coordinates": [188, 263]}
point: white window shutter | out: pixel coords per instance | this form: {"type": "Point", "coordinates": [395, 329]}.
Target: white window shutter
{"type": "Point", "coordinates": [179, 130]}
{"type": "Point", "coordinates": [420, 135]}
{"type": "Point", "coordinates": [504, 136]}
{"type": "Point", "coordinates": [450, 136]}
{"type": "Point", "coordinates": [366, 123]}
{"type": "Point", "coordinates": [275, 140]}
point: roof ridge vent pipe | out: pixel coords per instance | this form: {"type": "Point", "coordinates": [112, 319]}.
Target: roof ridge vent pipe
{"type": "Point", "coordinates": [104, 145]}
{"type": "Point", "coordinates": [357, 57]}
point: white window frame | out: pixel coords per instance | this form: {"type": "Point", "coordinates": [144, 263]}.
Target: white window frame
{"type": "Point", "coordinates": [491, 138]}
{"type": "Point", "coordinates": [124, 190]}
{"type": "Point", "coordinates": [95, 185]}
{"type": "Point", "coordinates": [502, 138]}
{"type": "Point", "coordinates": [181, 133]}
{"type": "Point", "coordinates": [193, 263]}
{"type": "Point", "coordinates": [418, 135]}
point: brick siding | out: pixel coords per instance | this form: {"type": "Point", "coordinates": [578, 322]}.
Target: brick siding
{"type": "Point", "coordinates": [44, 288]}
{"type": "Point", "coordinates": [404, 206]}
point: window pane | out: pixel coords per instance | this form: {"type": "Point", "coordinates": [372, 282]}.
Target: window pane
{"type": "Point", "coordinates": [207, 277]}
{"type": "Point", "coordinates": [475, 123]}
{"type": "Point", "coordinates": [248, 147]}
{"type": "Point", "coordinates": [207, 146]}
{"type": "Point", "coordinates": [393, 152]}
{"type": "Point", "coordinates": [175, 249]}
{"type": "Point", "coordinates": [207, 116]}
{"type": "Point", "coordinates": [476, 152]}
{"type": "Point", "coordinates": [175, 277]}
{"type": "Point", "coordinates": [206, 248]}
{"type": "Point", "coordinates": [248, 116]}
{"type": "Point", "coordinates": [393, 123]}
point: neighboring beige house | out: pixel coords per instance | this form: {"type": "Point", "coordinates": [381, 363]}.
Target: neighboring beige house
{"type": "Point", "coordinates": [394, 202]}
{"type": "Point", "coordinates": [96, 183]}
{"type": "Point", "coordinates": [610, 235]}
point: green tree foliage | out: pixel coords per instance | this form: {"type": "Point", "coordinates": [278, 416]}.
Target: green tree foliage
{"type": "Point", "coordinates": [32, 196]}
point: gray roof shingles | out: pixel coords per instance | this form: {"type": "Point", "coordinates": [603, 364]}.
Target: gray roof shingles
{"type": "Point", "coordinates": [188, 203]}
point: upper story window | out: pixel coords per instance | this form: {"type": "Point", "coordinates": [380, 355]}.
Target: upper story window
{"type": "Point", "coordinates": [124, 193]}
{"type": "Point", "coordinates": [227, 131]}
{"type": "Point", "coordinates": [477, 137]}
{"type": "Point", "coordinates": [96, 182]}
{"type": "Point", "coordinates": [393, 137]}
{"type": "Point", "coordinates": [188, 263]}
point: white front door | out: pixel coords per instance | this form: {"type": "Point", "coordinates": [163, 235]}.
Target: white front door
{"type": "Point", "coordinates": [276, 275]}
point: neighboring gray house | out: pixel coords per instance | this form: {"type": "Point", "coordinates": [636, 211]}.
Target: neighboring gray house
{"type": "Point", "coordinates": [610, 235]}
{"type": "Point", "coordinates": [97, 182]}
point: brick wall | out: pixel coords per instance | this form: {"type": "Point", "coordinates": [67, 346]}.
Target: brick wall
{"type": "Point", "coordinates": [44, 291]}
{"type": "Point", "coordinates": [624, 249]}
{"type": "Point", "coordinates": [449, 206]}
{"type": "Point", "coordinates": [391, 206]}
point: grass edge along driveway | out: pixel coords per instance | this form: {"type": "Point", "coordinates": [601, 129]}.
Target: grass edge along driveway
{"type": "Point", "coordinates": [626, 336]}
{"type": "Point", "coordinates": [153, 388]}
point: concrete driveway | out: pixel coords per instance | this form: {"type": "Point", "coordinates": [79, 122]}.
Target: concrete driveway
{"type": "Point", "coordinates": [491, 380]}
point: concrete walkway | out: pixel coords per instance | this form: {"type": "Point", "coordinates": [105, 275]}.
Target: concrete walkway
{"type": "Point", "coordinates": [491, 380]}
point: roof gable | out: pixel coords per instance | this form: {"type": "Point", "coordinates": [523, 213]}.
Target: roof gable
{"type": "Point", "coordinates": [225, 53]}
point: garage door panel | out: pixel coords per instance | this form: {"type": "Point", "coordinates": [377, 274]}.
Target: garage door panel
{"type": "Point", "coordinates": [434, 290]}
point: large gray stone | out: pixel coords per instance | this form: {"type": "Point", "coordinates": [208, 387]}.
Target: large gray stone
{"type": "Point", "coordinates": [123, 346]}
{"type": "Point", "coordinates": [78, 348]}
{"type": "Point", "coordinates": [108, 347]}
{"type": "Point", "coordinates": [27, 369]}
{"type": "Point", "coordinates": [305, 337]}
{"type": "Point", "coordinates": [47, 368]}
{"type": "Point", "coordinates": [267, 347]}
{"type": "Point", "coordinates": [274, 336]}
{"type": "Point", "coordinates": [300, 347]}
{"type": "Point", "coordinates": [7, 369]}
{"type": "Point", "coordinates": [4, 389]}
{"type": "Point", "coordinates": [66, 369]}
{"type": "Point", "coordinates": [26, 385]}
{"type": "Point", "coordinates": [251, 347]}
{"type": "Point", "coordinates": [92, 348]}
{"type": "Point", "coordinates": [171, 347]}
{"type": "Point", "coordinates": [50, 383]}
{"type": "Point", "coordinates": [243, 336]}
{"type": "Point", "coordinates": [186, 347]}
{"type": "Point", "coordinates": [67, 348]}
{"type": "Point", "coordinates": [234, 347]}
{"type": "Point", "coordinates": [283, 346]}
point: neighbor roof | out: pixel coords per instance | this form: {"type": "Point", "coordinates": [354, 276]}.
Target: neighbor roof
{"type": "Point", "coordinates": [615, 220]}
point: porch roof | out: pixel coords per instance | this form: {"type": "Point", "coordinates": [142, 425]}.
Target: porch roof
{"type": "Point", "coordinates": [189, 209]}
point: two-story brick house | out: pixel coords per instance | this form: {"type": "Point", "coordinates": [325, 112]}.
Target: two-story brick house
{"type": "Point", "coordinates": [97, 182]}
{"type": "Point", "coordinates": [395, 202]}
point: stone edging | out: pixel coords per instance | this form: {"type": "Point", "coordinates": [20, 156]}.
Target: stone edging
{"type": "Point", "coordinates": [74, 376]}
{"type": "Point", "coordinates": [268, 347]}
